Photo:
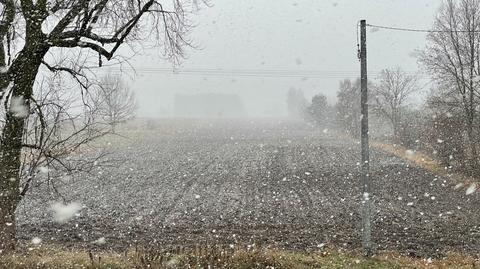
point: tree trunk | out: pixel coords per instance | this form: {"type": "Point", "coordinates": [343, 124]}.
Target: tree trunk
{"type": "Point", "coordinates": [468, 106]}
{"type": "Point", "coordinates": [473, 149]}
{"type": "Point", "coordinates": [113, 127]}
{"type": "Point", "coordinates": [7, 227]}
{"type": "Point", "coordinates": [24, 71]}
{"type": "Point", "coordinates": [11, 147]}
{"type": "Point", "coordinates": [395, 131]}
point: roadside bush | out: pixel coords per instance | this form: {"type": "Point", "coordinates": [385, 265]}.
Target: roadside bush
{"type": "Point", "coordinates": [411, 133]}
{"type": "Point", "coordinates": [447, 141]}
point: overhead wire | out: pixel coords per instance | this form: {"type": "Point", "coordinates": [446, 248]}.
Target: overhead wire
{"type": "Point", "coordinates": [419, 30]}
{"type": "Point", "coordinates": [260, 73]}
{"type": "Point", "coordinates": [278, 73]}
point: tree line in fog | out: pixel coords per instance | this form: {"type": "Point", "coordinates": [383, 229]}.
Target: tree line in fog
{"type": "Point", "coordinates": [446, 122]}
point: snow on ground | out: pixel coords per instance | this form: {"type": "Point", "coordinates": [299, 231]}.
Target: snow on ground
{"type": "Point", "coordinates": [275, 183]}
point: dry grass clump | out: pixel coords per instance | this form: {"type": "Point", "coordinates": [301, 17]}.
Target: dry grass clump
{"type": "Point", "coordinates": [213, 257]}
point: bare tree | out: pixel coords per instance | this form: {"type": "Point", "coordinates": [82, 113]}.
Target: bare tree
{"type": "Point", "coordinates": [319, 109]}
{"type": "Point", "coordinates": [296, 103]}
{"type": "Point", "coordinates": [114, 101]}
{"type": "Point", "coordinates": [56, 125]}
{"type": "Point", "coordinates": [391, 95]}
{"type": "Point", "coordinates": [452, 57]}
{"type": "Point", "coordinates": [32, 35]}
{"type": "Point", "coordinates": [348, 106]}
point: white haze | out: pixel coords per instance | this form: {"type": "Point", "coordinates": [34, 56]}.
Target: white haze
{"type": "Point", "coordinates": [282, 35]}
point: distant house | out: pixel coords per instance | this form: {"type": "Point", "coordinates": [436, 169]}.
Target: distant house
{"type": "Point", "coordinates": [209, 105]}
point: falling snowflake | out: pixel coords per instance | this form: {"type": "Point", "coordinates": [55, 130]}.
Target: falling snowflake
{"type": "Point", "coordinates": [36, 241]}
{"type": "Point", "coordinates": [18, 107]}
{"type": "Point", "coordinates": [63, 213]}
{"type": "Point", "coordinates": [100, 241]}
{"type": "Point", "coordinates": [471, 189]}
{"type": "Point", "coordinates": [43, 170]}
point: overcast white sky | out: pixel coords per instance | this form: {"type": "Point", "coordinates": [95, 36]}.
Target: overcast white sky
{"type": "Point", "coordinates": [296, 35]}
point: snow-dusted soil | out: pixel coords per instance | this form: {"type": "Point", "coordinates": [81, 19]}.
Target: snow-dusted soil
{"type": "Point", "coordinates": [271, 183]}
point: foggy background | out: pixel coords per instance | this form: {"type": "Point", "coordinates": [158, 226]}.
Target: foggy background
{"type": "Point", "coordinates": [259, 49]}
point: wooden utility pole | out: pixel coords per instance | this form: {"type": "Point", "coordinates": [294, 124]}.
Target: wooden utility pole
{"type": "Point", "coordinates": [367, 195]}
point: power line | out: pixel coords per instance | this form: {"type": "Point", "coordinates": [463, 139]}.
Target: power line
{"type": "Point", "coordinates": [404, 29]}
{"type": "Point", "coordinates": [420, 30]}
{"type": "Point", "coordinates": [260, 73]}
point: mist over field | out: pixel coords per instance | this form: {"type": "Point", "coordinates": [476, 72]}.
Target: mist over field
{"type": "Point", "coordinates": [239, 134]}
{"type": "Point", "coordinates": [259, 50]}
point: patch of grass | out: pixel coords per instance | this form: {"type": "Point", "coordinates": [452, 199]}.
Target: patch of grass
{"type": "Point", "coordinates": [418, 158]}
{"type": "Point", "coordinates": [424, 161]}
{"type": "Point", "coordinates": [214, 257]}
